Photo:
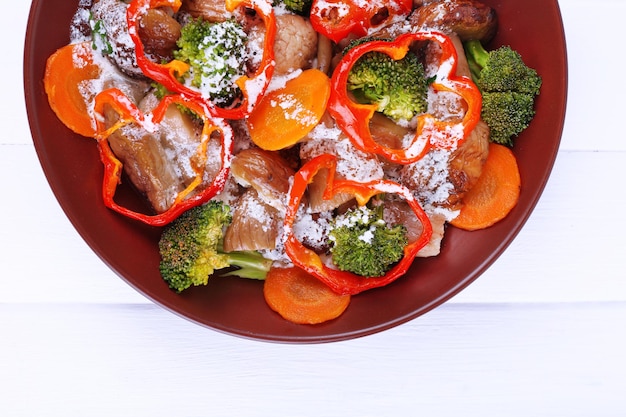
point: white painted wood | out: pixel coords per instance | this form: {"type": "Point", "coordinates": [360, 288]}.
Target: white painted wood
{"type": "Point", "coordinates": [461, 359]}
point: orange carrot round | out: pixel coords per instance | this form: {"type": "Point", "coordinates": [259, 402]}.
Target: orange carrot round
{"type": "Point", "coordinates": [286, 115]}
{"type": "Point", "coordinates": [495, 193]}
{"type": "Point", "coordinates": [66, 71]}
{"type": "Point", "coordinates": [301, 298]}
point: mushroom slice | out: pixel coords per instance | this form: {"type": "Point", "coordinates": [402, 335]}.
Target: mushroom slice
{"type": "Point", "coordinates": [267, 172]}
{"type": "Point", "coordinates": [255, 224]}
{"type": "Point", "coordinates": [159, 32]}
{"type": "Point", "coordinates": [466, 163]}
{"type": "Point", "coordinates": [209, 10]}
{"type": "Point", "coordinates": [159, 163]}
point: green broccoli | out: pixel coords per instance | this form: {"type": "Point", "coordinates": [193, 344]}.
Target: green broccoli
{"type": "Point", "coordinates": [216, 54]}
{"type": "Point", "coordinates": [301, 7]}
{"type": "Point", "coordinates": [191, 249]}
{"type": "Point", "coordinates": [363, 243]}
{"type": "Point", "coordinates": [398, 87]}
{"type": "Point", "coordinates": [508, 86]}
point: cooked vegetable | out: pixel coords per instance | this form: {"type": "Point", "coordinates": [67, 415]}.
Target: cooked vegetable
{"type": "Point", "coordinates": [190, 249]}
{"type": "Point", "coordinates": [495, 194]}
{"type": "Point", "coordinates": [252, 87]}
{"type": "Point", "coordinates": [286, 115]}
{"type": "Point", "coordinates": [345, 282]}
{"type": "Point", "coordinates": [362, 242]}
{"type": "Point", "coordinates": [67, 70]}
{"type": "Point", "coordinates": [508, 86]}
{"type": "Point", "coordinates": [198, 191]}
{"type": "Point", "coordinates": [215, 53]}
{"type": "Point", "coordinates": [301, 7]}
{"type": "Point", "coordinates": [301, 298]}
{"type": "Point", "coordinates": [243, 147]}
{"type": "Point", "coordinates": [336, 19]}
{"type": "Point", "coordinates": [354, 118]}
{"type": "Point", "coordinates": [159, 32]}
{"type": "Point", "coordinates": [398, 87]}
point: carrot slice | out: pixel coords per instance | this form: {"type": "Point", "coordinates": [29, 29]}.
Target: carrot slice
{"type": "Point", "coordinates": [301, 298]}
{"type": "Point", "coordinates": [286, 115]}
{"type": "Point", "coordinates": [495, 193]}
{"type": "Point", "coordinates": [66, 72]}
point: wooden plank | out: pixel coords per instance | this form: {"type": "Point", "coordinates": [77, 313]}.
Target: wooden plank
{"type": "Point", "coordinates": [471, 360]}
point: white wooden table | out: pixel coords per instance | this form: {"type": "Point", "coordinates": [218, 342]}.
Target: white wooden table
{"type": "Point", "coordinates": [541, 333]}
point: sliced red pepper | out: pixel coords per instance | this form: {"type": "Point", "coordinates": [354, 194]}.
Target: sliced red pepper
{"type": "Point", "coordinates": [336, 19]}
{"type": "Point", "coordinates": [129, 113]}
{"type": "Point", "coordinates": [344, 282]}
{"type": "Point", "coordinates": [167, 74]}
{"type": "Point", "coordinates": [353, 118]}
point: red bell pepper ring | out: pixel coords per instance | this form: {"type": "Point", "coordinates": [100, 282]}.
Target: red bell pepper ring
{"type": "Point", "coordinates": [344, 282]}
{"type": "Point", "coordinates": [167, 74]}
{"type": "Point", "coordinates": [129, 113]}
{"type": "Point", "coordinates": [353, 118]}
{"type": "Point", "coordinates": [336, 19]}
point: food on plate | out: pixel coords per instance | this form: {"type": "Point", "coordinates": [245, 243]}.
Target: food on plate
{"type": "Point", "coordinates": [191, 249]}
{"type": "Point", "coordinates": [301, 298]}
{"type": "Point", "coordinates": [508, 88]}
{"type": "Point", "coordinates": [67, 69]}
{"type": "Point", "coordinates": [398, 87]}
{"type": "Point", "coordinates": [319, 146]}
{"type": "Point", "coordinates": [363, 242]}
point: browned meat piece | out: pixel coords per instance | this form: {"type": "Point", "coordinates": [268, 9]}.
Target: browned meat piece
{"type": "Point", "coordinates": [295, 46]}
{"type": "Point", "coordinates": [145, 164]}
{"type": "Point", "coordinates": [469, 19]}
{"type": "Point", "coordinates": [446, 105]}
{"type": "Point", "coordinates": [267, 172]}
{"type": "Point", "coordinates": [159, 164]}
{"type": "Point", "coordinates": [399, 212]}
{"type": "Point", "coordinates": [210, 10]}
{"type": "Point", "coordinates": [255, 224]}
{"type": "Point", "coordinates": [112, 15]}
{"type": "Point", "coordinates": [440, 180]}
{"type": "Point", "coordinates": [466, 163]}
{"type": "Point", "coordinates": [159, 32]}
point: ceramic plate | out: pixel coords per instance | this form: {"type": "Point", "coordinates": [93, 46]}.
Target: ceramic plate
{"type": "Point", "coordinates": [236, 306]}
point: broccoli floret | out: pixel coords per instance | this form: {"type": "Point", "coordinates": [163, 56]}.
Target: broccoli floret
{"type": "Point", "coordinates": [507, 114]}
{"type": "Point", "coordinates": [216, 54]}
{"type": "Point", "coordinates": [501, 69]}
{"type": "Point", "coordinates": [191, 249]}
{"type": "Point", "coordinates": [301, 7]}
{"type": "Point", "coordinates": [363, 243]}
{"type": "Point", "coordinates": [398, 87]}
{"type": "Point", "coordinates": [508, 86]}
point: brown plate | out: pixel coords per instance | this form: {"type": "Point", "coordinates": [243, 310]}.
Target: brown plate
{"type": "Point", "coordinates": [236, 306]}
